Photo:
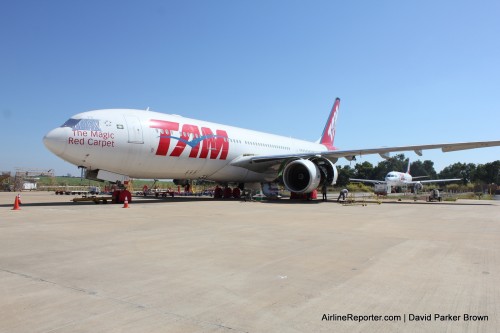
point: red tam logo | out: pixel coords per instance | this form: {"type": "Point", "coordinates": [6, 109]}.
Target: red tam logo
{"type": "Point", "coordinates": [201, 142]}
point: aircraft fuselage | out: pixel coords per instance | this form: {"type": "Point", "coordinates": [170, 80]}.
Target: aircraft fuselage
{"type": "Point", "coordinates": [146, 144]}
{"type": "Point", "coordinates": [395, 178]}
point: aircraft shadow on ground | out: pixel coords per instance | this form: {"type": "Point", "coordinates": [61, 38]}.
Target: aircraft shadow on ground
{"type": "Point", "coordinates": [135, 201]}
{"type": "Point", "coordinates": [288, 202]}
{"type": "Point", "coordinates": [141, 201]}
{"type": "Point", "coordinates": [432, 203]}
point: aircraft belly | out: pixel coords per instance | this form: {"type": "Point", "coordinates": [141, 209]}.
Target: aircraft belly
{"type": "Point", "coordinates": [181, 167]}
{"type": "Point", "coordinates": [241, 175]}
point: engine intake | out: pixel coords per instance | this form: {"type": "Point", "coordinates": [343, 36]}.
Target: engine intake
{"type": "Point", "coordinates": [418, 186]}
{"type": "Point", "coordinates": [304, 176]}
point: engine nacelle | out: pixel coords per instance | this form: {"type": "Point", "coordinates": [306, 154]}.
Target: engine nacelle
{"type": "Point", "coordinates": [304, 176]}
{"type": "Point", "coordinates": [329, 173]}
{"type": "Point", "coordinates": [301, 176]}
{"type": "Point", "coordinates": [418, 187]}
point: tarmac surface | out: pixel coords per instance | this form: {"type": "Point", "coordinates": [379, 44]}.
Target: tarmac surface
{"type": "Point", "coordinates": [201, 265]}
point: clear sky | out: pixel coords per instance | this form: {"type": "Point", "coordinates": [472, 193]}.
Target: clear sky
{"type": "Point", "coordinates": [408, 72]}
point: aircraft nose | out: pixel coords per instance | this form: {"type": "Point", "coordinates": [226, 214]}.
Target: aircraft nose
{"type": "Point", "coordinates": [55, 141]}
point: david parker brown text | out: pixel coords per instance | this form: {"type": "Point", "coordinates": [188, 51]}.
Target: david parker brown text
{"type": "Point", "coordinates": [404, 318]}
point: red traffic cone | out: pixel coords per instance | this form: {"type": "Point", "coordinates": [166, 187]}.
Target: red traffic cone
{"type": "Point", "coordinates": [19, 198]}
{"type": "Point", "coordinates": [16, 203]}
{"type": "Point", "coordinates": [125, 204]}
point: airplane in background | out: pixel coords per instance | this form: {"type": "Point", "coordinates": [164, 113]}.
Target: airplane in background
{"type": "Point", "coordinates": [118, 144]}
{"type": "Point", "coordinates": [402, 179]}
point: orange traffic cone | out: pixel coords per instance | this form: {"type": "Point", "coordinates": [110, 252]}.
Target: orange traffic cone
{"type": "Point", "coordinates": [16, 203]}
{"type": "Point", "coordinates": [125, 204]}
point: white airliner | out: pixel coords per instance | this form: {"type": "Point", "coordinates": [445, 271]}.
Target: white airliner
{"type": "Point", "coordinates": [115, 144]}
{"type": "Point", "coordinates": [402, 179]}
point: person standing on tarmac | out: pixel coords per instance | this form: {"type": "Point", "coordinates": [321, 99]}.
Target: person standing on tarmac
{"type": "Point", "coordinates": [324, 191]}
{"type": "Point", "coordinates": [343, 195]}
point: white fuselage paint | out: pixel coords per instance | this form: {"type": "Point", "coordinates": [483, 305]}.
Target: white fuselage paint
{"type": "Point", "coordinates": [395, 178]}
{"type": "Point", "coordinates": [129, 142]}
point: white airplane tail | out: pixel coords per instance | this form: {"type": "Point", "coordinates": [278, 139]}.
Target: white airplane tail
{"type": "Point", "coordinates": [328, 135]}
{"type": "Point", "coordinates": [408, 167]}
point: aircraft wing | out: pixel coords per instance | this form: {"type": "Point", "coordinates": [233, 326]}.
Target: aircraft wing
{"type": "Point", "coordinates": [418, 177]}
{"type": "Point", "coordinates": [445, 147]}
{"type": "Point", "coordinates": [437, 181]}
{"type": "Point", "coordinates": [370, 181]}
{"type": "Point", "coordinates": [273, 163]}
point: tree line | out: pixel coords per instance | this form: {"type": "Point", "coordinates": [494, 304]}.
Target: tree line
{"type": "Point", "coordinates": [488, 173]}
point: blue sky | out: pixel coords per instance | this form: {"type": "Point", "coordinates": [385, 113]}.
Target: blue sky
{"type": "Point", "coordinates": [408, 72]}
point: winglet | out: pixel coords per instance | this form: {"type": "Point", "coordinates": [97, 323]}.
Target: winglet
{"type": "Point", "coordinates": [329, 131]}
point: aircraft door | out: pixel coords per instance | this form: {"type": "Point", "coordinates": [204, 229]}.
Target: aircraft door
{"type": "Point", "coordinates": [134, 128]}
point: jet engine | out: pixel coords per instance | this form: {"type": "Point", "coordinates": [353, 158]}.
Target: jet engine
{"type": "Point", "coordinates": [418, 187]}
{"type": "Point", "coordinates": [304, 176]}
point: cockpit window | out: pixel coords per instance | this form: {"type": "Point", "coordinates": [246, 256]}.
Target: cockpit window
{"type": "Point", "coordinates": [82, 124]}
{"type": "Point", "coordinates": [70, 122]}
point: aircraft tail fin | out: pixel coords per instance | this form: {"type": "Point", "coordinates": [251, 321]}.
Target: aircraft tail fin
{"type": "Point", "coordinates": [329, 131]}
{"type": "Point", "coordinates": [408, 167]}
